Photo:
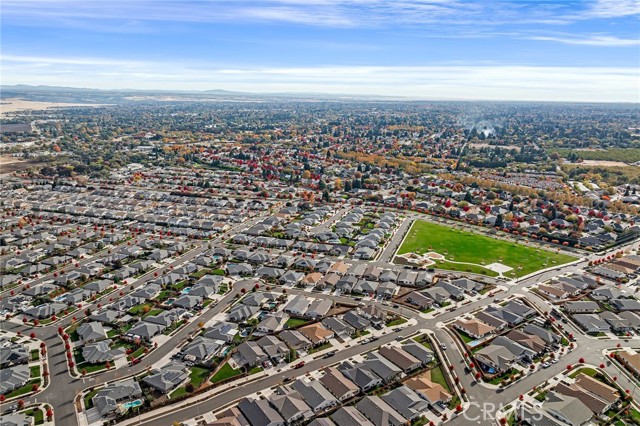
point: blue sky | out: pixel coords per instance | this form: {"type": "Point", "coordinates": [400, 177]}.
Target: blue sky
{"type": "Point", "coordinates": [582, 50]}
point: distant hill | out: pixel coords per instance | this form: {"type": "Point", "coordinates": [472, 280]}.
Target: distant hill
{"type": "Point", "coordinates": [88, 95]}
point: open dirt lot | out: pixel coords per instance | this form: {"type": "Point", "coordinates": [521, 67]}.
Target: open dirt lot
{"type": "Point", "coordinates": [9, 164]}
{"type": "Point", "coordinates": [12, 105]}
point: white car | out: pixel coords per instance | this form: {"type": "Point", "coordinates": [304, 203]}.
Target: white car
{"type": "Point", "coordinates": [546, 365]}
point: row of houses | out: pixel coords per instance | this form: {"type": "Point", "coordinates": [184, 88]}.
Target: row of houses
{"type": "Point", "coordinates": [573, 401]}
{"type": "Point", "coordinates": [336, 387]}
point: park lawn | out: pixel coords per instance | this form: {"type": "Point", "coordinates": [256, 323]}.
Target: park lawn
{"type": "Point", "coordinates": [463, 246]}
{"type": "Point", "coordinates": [224, 373]}
{"type": "Point", "coordinates": [198, 375]}
{"type": "Point", "coordinates": [295, 322]}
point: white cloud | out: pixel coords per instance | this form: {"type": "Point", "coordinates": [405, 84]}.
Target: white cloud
{"type": "Point", "coordinates": [590, 40]}
{"type": "Point", "coordinates": [491, 82]}
{"type": "Point", "coordinates": [613, 9]}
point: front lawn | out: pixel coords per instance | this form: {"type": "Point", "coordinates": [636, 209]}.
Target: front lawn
{"type": "Point", "coordinates": [320, 348]}
{"type": "Point", "coordinates": [255, 370]}
{"type": "Point", "coordinates": [397, 321]}
{"type": "Point", "coordinates": [37, 414]}
{"type": "Point", "coordinates": [88, 403]}
{"type": "Point", "coordinates": [24, 390]}
{"type": "Point", "coordinates": [463, 246]}
{"type": "Point", "coordinates": [35, 371]}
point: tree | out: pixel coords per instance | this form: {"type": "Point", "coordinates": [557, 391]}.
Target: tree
{"type": "Point", "coordinates": [337, 184]}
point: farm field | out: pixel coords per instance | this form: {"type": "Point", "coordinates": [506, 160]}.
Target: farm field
{"type": "Point", "coordinates": [476, 252]}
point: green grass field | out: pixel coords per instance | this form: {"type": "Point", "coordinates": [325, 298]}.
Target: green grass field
{"type": "Point", "coordinates": [224, 373]}
{"type": "Point", "coordinates": [462, 246]}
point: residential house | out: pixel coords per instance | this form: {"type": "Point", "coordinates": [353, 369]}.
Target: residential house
{"type": "Point", "coordinates": [100, 352]}
{"type": "Point", "coordinates": [249, 354]}
{"type": "Point", "coordinates": [167, 378]}
{"type": "Point", "coordinates": [433, 393]}
{"type": "Point", "coordinates": [350, 416]}
{"type": "Point", "coordinates": [315, 395]}
{"type": "Point", "coordinates": [296, 340]}
{"type": "Point", "coordinates": [581, 307]}
{"type": "Point", "coordinates": [291, 407]}
{"type": "Point", "coordinates": [339, 385]}
{"type": "Point", "coordinates": [108, 400]}
{"type": "Point", "coordinates": [401, 358]}
{"type": "Point", "coordinates": [259, 412]}
{"type": "Point", "coordinates": [591, 323]}
{"type": "Point", "coordinates": [474, 328]}
{"type": "Point", "coordinates": [202, 349]}
{"type": "Point", "coordinates": [379, 412]}
{"type": "Point", "coordinates": [406, 402]}
{"type": "Point", "coordinates": [317, 333]}
{"type": "Point", "coordinates": [14, 377]}
{"type": "Point", "coordinates": [339, 327]}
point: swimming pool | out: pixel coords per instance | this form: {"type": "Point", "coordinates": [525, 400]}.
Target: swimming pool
{"type": "Point", "coordinates": [170, 301]}
{"type": "Point", "coordinates": [132, 404]}
{"type": "Point", "coordinates": [186, 290]}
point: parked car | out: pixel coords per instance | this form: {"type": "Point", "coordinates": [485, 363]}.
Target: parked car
{"type": "Point", "coordinates": [546, 365]}
{"type": "Point", "coordinates": [299, 365]}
